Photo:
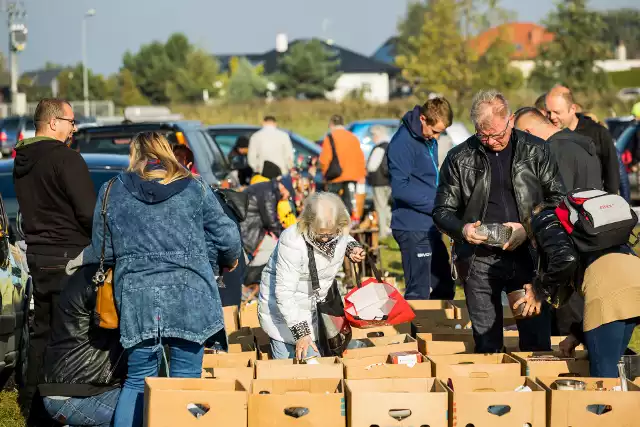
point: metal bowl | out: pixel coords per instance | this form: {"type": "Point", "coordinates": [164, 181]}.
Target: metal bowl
{"type": "Point", "coordinates": [570, 385]}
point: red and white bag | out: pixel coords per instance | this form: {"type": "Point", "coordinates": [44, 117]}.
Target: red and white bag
{"type": "Point", "coordinates": [596, 220]}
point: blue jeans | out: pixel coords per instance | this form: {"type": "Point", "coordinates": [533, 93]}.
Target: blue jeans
{"type": "Point", "coordinates": [606, 344]}
{"type": "Point", "coordinates": [282, 350]}
{"type": "Point", "coordinates": [427, 272]}
{"type": "Point", "coordinates": [144, 361]}
{"type": "Point", "coordinates": [84, 411]}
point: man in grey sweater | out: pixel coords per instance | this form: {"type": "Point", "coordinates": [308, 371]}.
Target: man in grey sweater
{"type": "Point", "coordinates": [270, 144]}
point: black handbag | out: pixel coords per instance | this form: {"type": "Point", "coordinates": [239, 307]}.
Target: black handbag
{"type": "Point", "coordinates": [334, 331]}
{"type": "Point", "coordinates": [4, 238]}
{"type": "Point", "coordinates": [236, 201]}
{"type": "Point", "coordinates": [334, 170]}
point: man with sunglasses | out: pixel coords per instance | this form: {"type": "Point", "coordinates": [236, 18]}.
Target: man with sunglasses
{"type": "Point", "coordinates": [496, 177]}
{"type": "Point", "coordinates": [57, 199]}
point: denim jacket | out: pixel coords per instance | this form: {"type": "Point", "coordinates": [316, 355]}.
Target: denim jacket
{"type": "Point", "coordinates": [167, 242]}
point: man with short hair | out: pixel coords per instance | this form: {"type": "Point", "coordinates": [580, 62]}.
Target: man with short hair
{"type": "Point", "coordinates": [378, 178]}
{"type": "Point", "coordinates": [563, 114]}
{"type": "Point", "coordinates": [496, 177]}
{"type": "Point", "coordinates": [270, 144]}
{"type": "Point", "coordinates": [57, 199]}
{"type": "Point", "coordinates": [578, 163]}
{"type": "Point", "coordinates": [540, 104]}
{"type": "Point", "coordinates": [413, 172]}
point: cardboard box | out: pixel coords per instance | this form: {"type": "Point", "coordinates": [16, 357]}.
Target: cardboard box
{"type": "Point", "coordinates": [327, 367]}
{"type": "Point", "coordinates": [382, 346]}
{"type": "Point", "coordinates": [462, 304]}
{"type": "Point", "coordinates": [474, 365]}
{"type": "Point", "coordinates": [379, 402]}
{"type": "Point", "coordinates": [466, 345]}
{"type": "Point", "coordinates": [226, 366]}
{"type": "Point", "coordinates": [375, 367]}
{"type": "Point", "coordinates": [381, 331]}
{"type": "Point", "coordinates": [576, 408]}
{"type": "Point", "coordinates": [579, 367]}
{"type": "Point", "coordinates": [323, 400]}
{"type": "Point", "coordinates": [512, 342]}
{"type": "Point", "coordinates": [426, 308]}
{"type": "Point", "coordinates": [249, 316]}
{"type": "Point", "coordinates": [441, 330]}
{"type": "Point", "coordinates": [493, 402]}
{"type": "Point", "coordinates": [166, 401]}
{"type": "Point", "coordinates": [231, 322]}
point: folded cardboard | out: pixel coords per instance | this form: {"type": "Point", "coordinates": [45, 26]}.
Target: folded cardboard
{"type": "Point", "coordinates": [465, 345]}
{"type": "Point", "coordinates": [375, 367]}
{"type": "Point", "coordinates": [591, 408]}
{"type": "Point", "coordinates": [538, 364]}
{"type": "Point", "coordinates": [231, 322]}
{"type": "Point", "coordinates": [297, 402]}
{"type": "Point", "coordinates": [474, 365]}
{"type": "Point", "coordinates": [380, 331]}
{"type": "Point", "coordinates": [494, 402]}
{"type": "Point", "coordinates": [327, 367]}
{"type": "Point", "coordinates": [397, 402]}
{"type": "Point", "coordinates": [168, 402]}
{"type": "Point", "coordinates": [229, 366]}
{"type": "Point", "coordinates": [382, 346]}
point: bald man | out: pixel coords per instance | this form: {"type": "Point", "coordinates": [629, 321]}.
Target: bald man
{"type": "Point", "coordinates": [576, 154]}
{"type": "Point", "coordinates": [563, 114]}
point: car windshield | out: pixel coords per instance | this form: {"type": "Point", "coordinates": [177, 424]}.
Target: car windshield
{"type": "Point", "coordinates": [115, 143]}
{"type": "Point", "coordinates": [11, 124]}
{"type": "Point", "coordinates": [626, 137]}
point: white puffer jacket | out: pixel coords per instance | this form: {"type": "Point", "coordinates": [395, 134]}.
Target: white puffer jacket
{"type": "Point", "coordinates": [286, 291]}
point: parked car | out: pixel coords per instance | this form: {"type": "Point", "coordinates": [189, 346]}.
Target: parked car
{"type": "Point", "coordinates": [623, 146]}
{"type": "Point", "coordinates": [457, 133]}
{"type": "Point", "coordinates": [210, 160]}
{"type": "Point", "coordinates": [14, 129]}
{"type": "Point", "coordinates": [617, 125]}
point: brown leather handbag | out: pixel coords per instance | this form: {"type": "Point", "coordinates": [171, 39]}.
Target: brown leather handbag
{"type": "Point", "coordinates": [106, 315]}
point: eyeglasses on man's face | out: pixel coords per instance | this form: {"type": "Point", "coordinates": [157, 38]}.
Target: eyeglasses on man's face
{"type": "Point", "coordinates": [485, 138]}
{"type": "Point", "coordinates": [72, 121]}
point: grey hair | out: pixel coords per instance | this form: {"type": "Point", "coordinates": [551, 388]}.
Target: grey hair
{"type": "Point", "coordinates": [380, 131]}
{"type": "Point", "coordinates": [324, 210]}
{"type": "Point", "coordinates": [497, 103]}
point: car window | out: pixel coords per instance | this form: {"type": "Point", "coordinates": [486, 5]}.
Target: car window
{"type": "Point", "coordinates": [626, 137]}
{"type": "Point", "coordinates": [226, 141]}
{"type": "Point", "coordinates": [11, 123]}
{"type": "Point", "coordinates": [30, 125]}
{"type": "Point", "coordinates": [110, 144]}
{"type": "Point", "coordinates": [210, 161]}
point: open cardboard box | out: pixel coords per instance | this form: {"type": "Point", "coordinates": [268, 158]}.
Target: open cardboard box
{"type": "Point", "coordinates": [439, 309]}
{"type": "Point", "coordinates": [493, 402]}
{"type": "Point", "coordinates": [375, 367]}
{"type": "Point", "coordinates": [512, 342]}
{"type": "Point", "coordinates": [321, 402]}
{"type": "Point", "coordinates": [578, 367]}
{"type": "Point", "coordinates": [327, 367]}
{"type": "Point", "coordinates": [229, 366]}
{"type": "Point", "coordinates": [166, 401]}
{"type": "Point", "coordinates": [474, 365]}
{"type": "Point", "coordinates": [380, 331]}
{"type": "Point", "coordinates": [465, 345]}
{"type": "Point", "coordinates": [581, 408]}
{"type": "Point", "coordinates": [382, 346]}
{"type": "Point", "coordinates": [441, 328]}
{"type": "Point", "coordinates": [231, 322]}
{"type": "Point", "coordinates": [397, 402]}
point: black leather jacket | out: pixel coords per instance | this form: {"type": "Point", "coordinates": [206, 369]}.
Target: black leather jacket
{"type": "Point", "coordinates": [262, 214]}
{"type": "Point", "coordinates": [81, 359]}
{"type": "Point", "coordinates": [465, 178]}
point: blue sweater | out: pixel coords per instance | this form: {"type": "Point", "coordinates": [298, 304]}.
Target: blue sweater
{"type": "Point", "coordinates": [413, 172]}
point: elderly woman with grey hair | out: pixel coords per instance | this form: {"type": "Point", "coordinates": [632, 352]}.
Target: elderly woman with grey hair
{"type": "Point", "coordinates": [286, 306]}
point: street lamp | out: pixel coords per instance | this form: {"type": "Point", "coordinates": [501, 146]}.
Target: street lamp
{"type": "Point", "coordinates": [85, 70]}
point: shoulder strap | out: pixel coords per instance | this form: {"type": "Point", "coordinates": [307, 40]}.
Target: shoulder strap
{"type": "Point", "coordinates": [333, 145]}
{"type": "Point", "coordinates": [313, 271]}
{"type": "Point", "coordinates": [103, 213]}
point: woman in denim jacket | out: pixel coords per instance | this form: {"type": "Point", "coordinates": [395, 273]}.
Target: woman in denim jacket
{"type": "Point", "coordinates": [166, 234]}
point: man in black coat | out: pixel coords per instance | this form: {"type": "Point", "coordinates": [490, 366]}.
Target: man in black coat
{"type": "Point", "coordinates": [562, 112]}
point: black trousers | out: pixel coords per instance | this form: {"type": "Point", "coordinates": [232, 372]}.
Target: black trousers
{"type": "Point", "coordinates": [346, 191]}
{"type": "Point", "coordinates": [49, 276]}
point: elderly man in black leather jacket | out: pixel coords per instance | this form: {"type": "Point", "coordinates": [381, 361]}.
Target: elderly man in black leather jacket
{"type": "Point", "coordinates": [497, 176]}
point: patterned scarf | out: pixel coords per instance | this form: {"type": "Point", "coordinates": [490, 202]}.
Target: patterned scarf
{"type": "Point", "coordinates": [327, 249]}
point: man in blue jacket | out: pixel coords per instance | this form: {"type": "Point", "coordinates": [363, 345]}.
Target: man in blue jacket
{"type": "Point", "coordinates": [413, 172]}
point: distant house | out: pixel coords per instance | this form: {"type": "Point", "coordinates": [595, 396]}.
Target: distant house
{"type": "Point", "coordinates": [45, 78]}
{"type": "Point", "coordinates": [373, 78]}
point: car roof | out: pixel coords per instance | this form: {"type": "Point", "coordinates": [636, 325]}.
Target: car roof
{"type": "Point", "coordinates": [93, 160]}
{"type": "Point", "coordinates": [233, 126]}
{"type": "Point", "coordinates": [142, 127]}
{"type": "Point", "coordinates": [390, 122]}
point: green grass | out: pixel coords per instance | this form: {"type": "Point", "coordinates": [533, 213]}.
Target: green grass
{"type": "Point", "coordinates": [10, 415]}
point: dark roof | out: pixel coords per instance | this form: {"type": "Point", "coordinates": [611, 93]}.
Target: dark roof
{"type": "Point", "coordinates": [350, 61]}
{"type": "Point", "coordinates": [43, 78]}
{"type": "Point", "coordinates": [387, 52]}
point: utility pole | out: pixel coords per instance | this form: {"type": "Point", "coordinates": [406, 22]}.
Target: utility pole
{"type": "Point", "coordinates": [16, 14]}
{"type": "Point", "coordinates": [85, 70]}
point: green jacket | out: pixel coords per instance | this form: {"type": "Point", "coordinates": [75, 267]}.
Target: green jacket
{"type": "Point", "coordinates": [30, 141]}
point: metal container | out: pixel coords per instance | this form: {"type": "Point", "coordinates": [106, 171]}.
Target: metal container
{"type": "Point", "coordinates": [570, 385]}
{"type": "Point", "coordinates": [513, 297]}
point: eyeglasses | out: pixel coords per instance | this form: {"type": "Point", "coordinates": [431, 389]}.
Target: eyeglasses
{"type": "Point", "coordinates": [72, 121]}
{"type": "Point", "coordinates": [484, 138]}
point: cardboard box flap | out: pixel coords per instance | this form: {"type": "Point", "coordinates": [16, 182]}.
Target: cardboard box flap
{"type": "Point", "coordinates": [526, 355]}
{"type": "Point", "coordinates": [249, 316]}
{"type": "Point", "coordinates": [381, 331]}
{"type": "Point", "coordinates": [392, 340]}
{"type": "Point", "coordinates": [432, 323]}
{"type": "Point", "coordinates": [391, 385]}
{"type": "Point", "coordinates": [495, 384]}
{"type": "Point", "coordinates": [283, 386]}
{"type": "Point", "coordinates": [591, 384]}
{"type": "Point", "coordinates": [425, 305]}
{"type": "Point", "coordinates": [466, 345]}
{"type": "Point", "coordinates": [231, 322]}
{"type": "Point", "coordinates": [476, 359]}
{"type": "Point", "coordinates": [192, 384]}
{"type": "Point", "coordinates": [327, 367]}
{"type": "Point", "coordinates": [226, 360]}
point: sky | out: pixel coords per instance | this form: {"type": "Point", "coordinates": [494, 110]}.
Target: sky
{"type": "Point", "coordinates": [218, 26]}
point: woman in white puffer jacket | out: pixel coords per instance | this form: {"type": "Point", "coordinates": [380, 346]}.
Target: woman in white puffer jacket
{"type": "Point", "coordinates": [286, 306]}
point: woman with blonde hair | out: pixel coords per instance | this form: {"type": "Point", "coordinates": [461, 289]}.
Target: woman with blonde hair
{"type": "Point", "coordinates": [286, 306]}
{"type": "Point", "coordinates": [167, 237]}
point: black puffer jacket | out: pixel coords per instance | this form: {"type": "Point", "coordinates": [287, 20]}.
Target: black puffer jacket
{"type": "Point", "coordinates": [262, 214]}
{"type": "Point", "coordinates": [81, 359]}
{"type": "Point", "coordinates": [465, 179]}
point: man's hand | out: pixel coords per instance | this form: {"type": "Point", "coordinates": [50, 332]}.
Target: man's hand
{"type": "Point", "coordinates": [235, 265]}
{"type": "Point", "coordinates": [357, 255]}
{"type": "Point", "coordinates": [568, 346]}
{"type": "Point", "coordinates": [532, 306]}
{"type": "Point", "coordinates": [470, 235]}
{"type": "Point", "coordinates": [518, 236]}
{"type": "Point", "coordinates": [302, 347]}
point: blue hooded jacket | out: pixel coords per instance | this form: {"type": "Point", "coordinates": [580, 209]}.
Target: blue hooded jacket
{"type": "Point", "coordinates": [166, 242]}
{"type": "Point", "coordinates": [413, 172]}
